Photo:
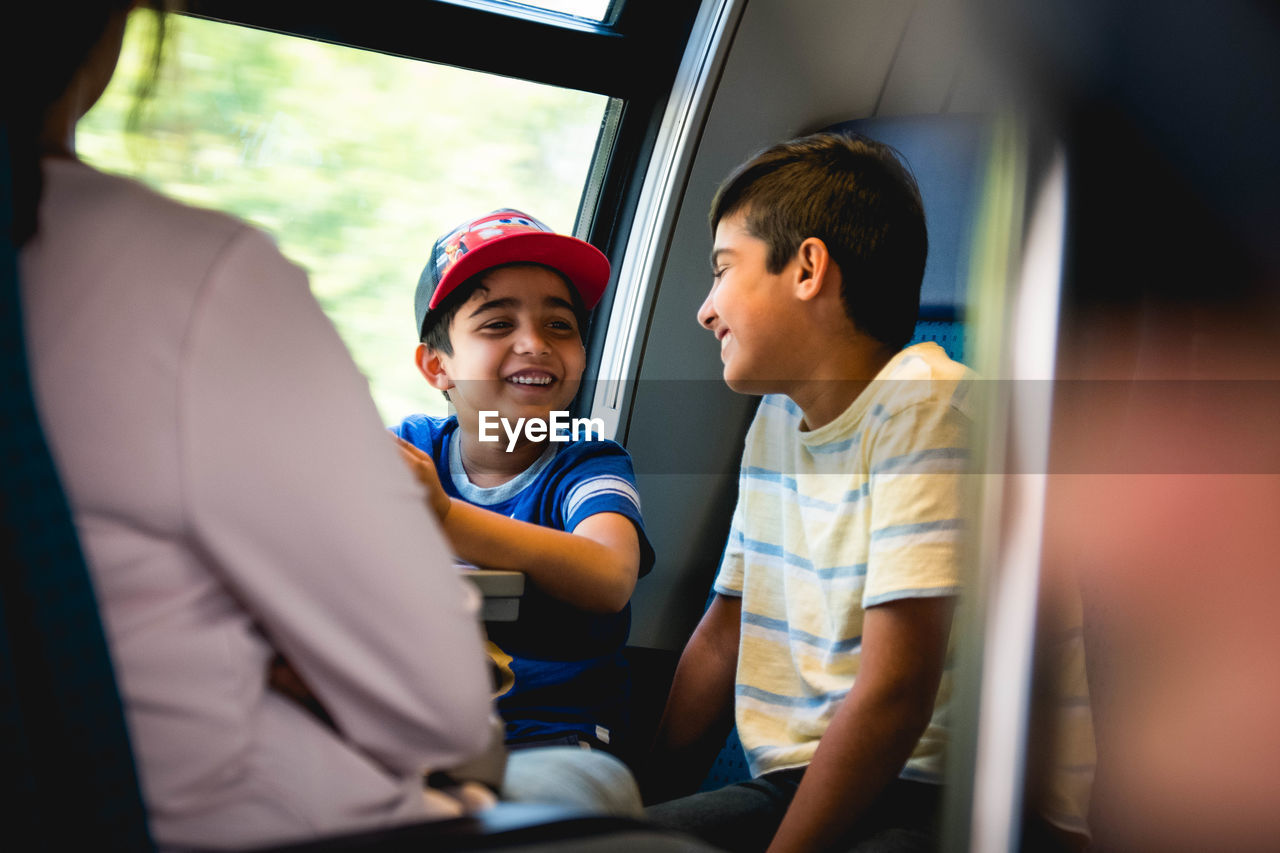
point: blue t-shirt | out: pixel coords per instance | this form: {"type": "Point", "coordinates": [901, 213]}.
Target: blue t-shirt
{"type": "Point", "coordinates": [570, 676]}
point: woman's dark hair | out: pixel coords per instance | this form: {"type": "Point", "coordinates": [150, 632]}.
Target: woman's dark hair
{"type": "Point", "coordinates": [42, 47]}
{"type": "Point", "coordinates": [857, 197]}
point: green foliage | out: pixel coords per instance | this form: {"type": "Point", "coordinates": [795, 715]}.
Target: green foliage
{"type": "Point", "coordinates": [355, 161]}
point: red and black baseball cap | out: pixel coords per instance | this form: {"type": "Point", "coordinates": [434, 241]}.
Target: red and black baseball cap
{"type": "Point", "coordinates": [507, 236]}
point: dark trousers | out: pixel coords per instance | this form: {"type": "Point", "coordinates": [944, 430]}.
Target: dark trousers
{"type": "Point", "coordinates": [744, 817]}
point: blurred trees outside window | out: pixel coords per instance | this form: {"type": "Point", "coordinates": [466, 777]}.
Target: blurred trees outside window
{"type": "Point", "coordinates": [354, 161]}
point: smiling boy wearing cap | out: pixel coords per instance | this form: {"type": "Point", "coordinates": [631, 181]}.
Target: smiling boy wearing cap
{"type": "Point", "coordinates": [500, 310]}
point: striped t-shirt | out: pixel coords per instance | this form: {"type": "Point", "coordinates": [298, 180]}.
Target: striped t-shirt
{"type": "Point", "coordinates": [568, 675]}
{"type": "Point", "coordinates": [862, 511]}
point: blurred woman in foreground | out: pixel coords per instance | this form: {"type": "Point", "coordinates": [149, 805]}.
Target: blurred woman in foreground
{"type": "Point", "coordinates": [234, 492]}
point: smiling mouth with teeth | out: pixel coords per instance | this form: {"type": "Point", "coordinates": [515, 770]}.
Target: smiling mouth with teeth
{"type": "Point", "coordinates": [532, 380]}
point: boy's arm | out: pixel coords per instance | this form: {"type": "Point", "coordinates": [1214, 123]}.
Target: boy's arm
{"type": "Point", "coordinates": [595, 567]}
{"type": "Point", "coordinates": [699, 707]}
{"type": "Point", "coordinates": [876, 727]}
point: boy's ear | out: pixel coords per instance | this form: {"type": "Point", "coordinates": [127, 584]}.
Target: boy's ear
{"type": "Point", "coordinates": [431, 365]}
{"type": "Point", "coordinates": [813, 268]}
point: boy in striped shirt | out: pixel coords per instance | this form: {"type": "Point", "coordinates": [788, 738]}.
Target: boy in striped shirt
{"type": "Point", "coordinates": [828, 634]}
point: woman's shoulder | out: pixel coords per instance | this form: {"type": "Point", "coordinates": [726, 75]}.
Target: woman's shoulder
{"type": "Point", "coordinates": [76, 193]}
{"type": "Point", "coordinates": [89, 215]}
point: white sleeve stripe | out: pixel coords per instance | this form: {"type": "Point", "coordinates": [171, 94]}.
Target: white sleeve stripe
{"type": "Point", "coordinates": [599, 486]}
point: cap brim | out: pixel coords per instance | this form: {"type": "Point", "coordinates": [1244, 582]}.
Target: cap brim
{"type": "Point", "coordinates": [583, 264]}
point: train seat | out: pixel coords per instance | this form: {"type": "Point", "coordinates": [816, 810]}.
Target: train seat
{"type": "Point", "coordinates": [948, 154]}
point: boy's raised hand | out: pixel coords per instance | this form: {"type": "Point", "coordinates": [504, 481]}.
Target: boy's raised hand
{"type": "Point", "coordinates": [594, 567]}
{"type": "Point", "coordinates": [425, 470]}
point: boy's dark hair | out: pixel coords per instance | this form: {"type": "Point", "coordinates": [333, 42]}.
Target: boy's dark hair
{"type": "Point", "coordinates": [856, 196]}
{"type": "Point", "coordinates": [435, 329]}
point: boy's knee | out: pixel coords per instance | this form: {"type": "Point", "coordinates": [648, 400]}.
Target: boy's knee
{"type": "Point", "coordinates": [568, 775]}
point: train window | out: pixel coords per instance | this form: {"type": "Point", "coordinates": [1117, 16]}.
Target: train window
{"type": "Point", "coordinates": [354, 160]}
